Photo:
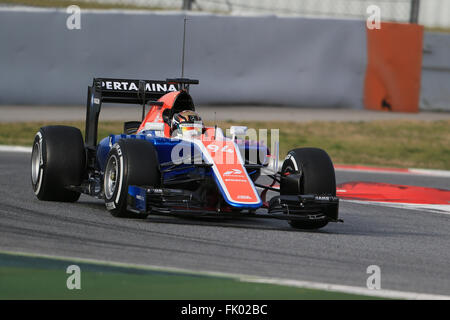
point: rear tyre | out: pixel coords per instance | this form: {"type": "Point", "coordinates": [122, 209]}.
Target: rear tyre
{"type": "Point", "coordinates": [316, 177]}
{"type": "Point", "coordinates": [130, 162]}
{"type": "Point", "coordinates": [58, 160]}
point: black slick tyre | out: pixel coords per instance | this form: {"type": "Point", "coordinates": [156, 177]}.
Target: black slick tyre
{"type": "Point", "coordinates": [316, 176]}
{"type": "Point", "coordinates": [129, 162]}
{"type": "Point", "coordinates": [58, 160]}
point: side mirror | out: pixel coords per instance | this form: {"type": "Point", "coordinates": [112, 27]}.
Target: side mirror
{"type": "Point", "coordinates": [155, 126]}
{"type": "Point", "coordinates": [166, 116]}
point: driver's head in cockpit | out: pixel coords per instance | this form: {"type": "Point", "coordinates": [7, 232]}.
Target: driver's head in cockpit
{"type": "Point", "coordinates": [186, 122]}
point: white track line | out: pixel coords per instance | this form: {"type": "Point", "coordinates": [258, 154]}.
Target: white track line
{"type": "Point", "coordinates": [15, 149]}
{"type": "Point", "coordinates": [435, 208]}
{"type": "Point", "coordinates": [429, 172]}
{"type": "Point", "coordinates": [383, 293]}
{"type": "Point", "coordinates": [372, 171]}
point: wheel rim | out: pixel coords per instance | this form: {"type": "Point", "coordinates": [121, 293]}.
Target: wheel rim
{"type": "Point", "coordinates": [36, 163]}
{"type": "Point", "coordinates": [111, 177]}
{"type": "Point", "coordinates": [289, 167]}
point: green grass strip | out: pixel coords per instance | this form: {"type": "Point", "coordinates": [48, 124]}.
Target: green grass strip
{"type": "Point", "coordinates": [394, 143]}
{"type": "Point", "coordinates": [33, 277]}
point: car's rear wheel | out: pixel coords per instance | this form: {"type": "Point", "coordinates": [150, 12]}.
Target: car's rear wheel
{"type": "Point", "coordinates": [130, 162]}
{"type": "Point", "coordinates": [316, 175]}
{"type": "Point", "coordinates": [58, 160]}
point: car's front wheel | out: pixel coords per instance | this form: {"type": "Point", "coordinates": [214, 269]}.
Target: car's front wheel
{"type": "Point", "coordinates": [315, 173]}
{"type": "Point", "coordinates": [130, 162]}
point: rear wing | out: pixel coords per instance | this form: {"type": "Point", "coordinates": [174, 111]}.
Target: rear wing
{"type": "Point", "coordinates": [136, 91]}
{"type": "Point", "coordinates": [128, 91]}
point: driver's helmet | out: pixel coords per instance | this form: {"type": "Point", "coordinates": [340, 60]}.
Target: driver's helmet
{"type": "Point", "coordinates": [186, 122]}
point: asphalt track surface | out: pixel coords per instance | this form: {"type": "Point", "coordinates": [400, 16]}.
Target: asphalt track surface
{"type": "Point", "coordinates": [411, 247]}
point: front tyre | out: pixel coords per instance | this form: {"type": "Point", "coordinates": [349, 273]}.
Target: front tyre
{"type": "Point", "coordinates": [58, 160]}
{"type": "Point", "coordinates": [315, 172]}
{"type": "Point", "coordinates": [130, 162]}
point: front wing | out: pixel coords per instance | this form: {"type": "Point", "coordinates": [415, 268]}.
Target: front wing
{"type": "Point", "coordinates": [163, 201]}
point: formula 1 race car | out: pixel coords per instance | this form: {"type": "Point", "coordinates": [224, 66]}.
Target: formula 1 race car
{"type": "Point", "coordinates": [170, 163]}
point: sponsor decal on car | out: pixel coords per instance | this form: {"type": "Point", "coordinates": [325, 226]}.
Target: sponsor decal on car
{"type": "Point", "coordinates": [244, 197]}
{"type": "Point", "coordinates": [233, 172]}
{"type": "Point", "coordinates": [322, 198]}
{"type": "Point", "coordinates": [230, 172]}
{"type": "Point", "coordinates": [134, 86]}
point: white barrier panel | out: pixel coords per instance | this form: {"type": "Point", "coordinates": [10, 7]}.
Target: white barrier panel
{"type": "Point", "coordinates": [258, 60]}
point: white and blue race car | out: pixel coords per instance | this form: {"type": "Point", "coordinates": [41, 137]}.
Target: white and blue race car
{"type": "Point", "coordinates": [197, 170]}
